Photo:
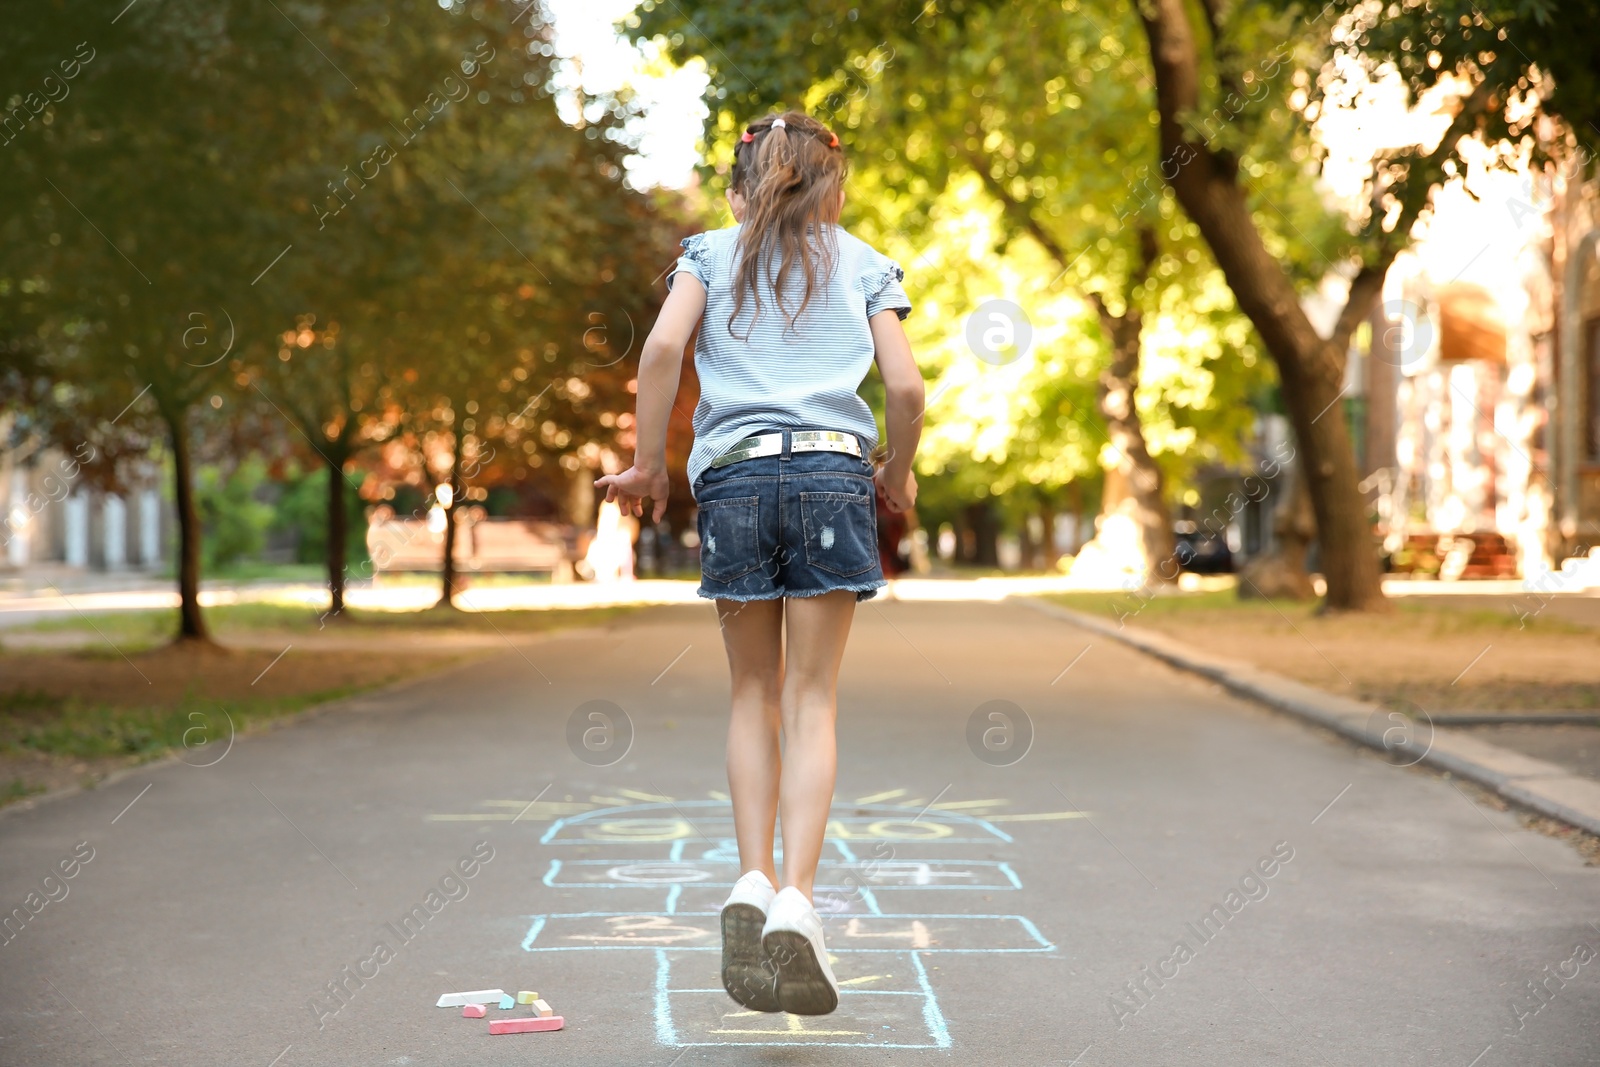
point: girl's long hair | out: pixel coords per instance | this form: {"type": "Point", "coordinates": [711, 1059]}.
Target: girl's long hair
{"type": "Point", "coordinates": [790, 177]}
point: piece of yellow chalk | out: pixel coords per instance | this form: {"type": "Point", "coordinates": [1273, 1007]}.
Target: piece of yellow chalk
{"type": "Point", "coordinates": [473, 1011]}
{"type": "Point", "coordinates": [526, 997]}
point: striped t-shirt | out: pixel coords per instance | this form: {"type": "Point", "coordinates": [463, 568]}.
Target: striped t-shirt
{"type": "Point", "coordinates": [767, 373]}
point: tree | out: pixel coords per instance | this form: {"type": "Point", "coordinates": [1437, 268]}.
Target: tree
{"type": "Point", "coordinates": [1207, 72]}
{"type": "Point", "coordinates": [1537, 51]}
{"type": "Point", "coordinates": [516, 337]}
{"type": "Point", "coordinates": [1202, 164]}
{"type": "Point", "coordinates": [442, 89]}
{"type": "Point", "coordinates": [135, 226]}
{"type": "Point", "coordinates": [217, 205]}
{"type": "Point", "coordinates": [1023, 96]}
{"type": "Point", "coordinates": [465, 264]}
{"type": "Point", "coordinates": [340, 403]}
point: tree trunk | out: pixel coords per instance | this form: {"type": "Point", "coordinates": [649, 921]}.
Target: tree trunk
{"type": "Point", "coordinates": [337, 534]}
{"type": "Point", "coordinates": [1383, 376]}
{"type": "Point", "coordinates": [447, 591]}
{"type": "Point", "coordinates": [1281, 574]}
{"type": "Point", "coordinates": [1027, 550]}
{"type": "Point", "coordinates": [1115, 398]}
{"type": "Point", "coordinates": [191, 623]}
{"type": "Point", "coordinates": [1077, 516]}
{"type": "Point", "coordinates": [1047, 524]}
{"type": "Point", "coordinates": [1327, 465]}
{"type": "Point", "coordinates": [985, 532]}
{"type": "Point", "coordinates": [1310, 368]}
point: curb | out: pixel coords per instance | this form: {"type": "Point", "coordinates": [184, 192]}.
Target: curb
{"type": "Point", "coordinates": [1526, 781]}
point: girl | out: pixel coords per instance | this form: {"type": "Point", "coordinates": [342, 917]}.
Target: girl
{"type": "Point", "coordinates": [791, 311]}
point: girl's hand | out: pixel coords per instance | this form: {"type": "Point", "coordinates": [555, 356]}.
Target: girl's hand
{"type": "Point", "coordinates": [898, 497]}
{"type": "Point", "coordinates": [630, 488]}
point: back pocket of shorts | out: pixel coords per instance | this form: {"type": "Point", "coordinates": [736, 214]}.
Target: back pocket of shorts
{"type": "Point", "coordinates": [841, 532]}
{"type": "Point", "coordinates": [729, 545]}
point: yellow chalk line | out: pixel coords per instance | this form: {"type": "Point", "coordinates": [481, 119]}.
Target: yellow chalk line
{"type": "Point", "coordinates": [1039, 816]}
{"type": "Point", "coordinates": [868, 978]}
{"type": "Point", "coordinates": [649, 798]}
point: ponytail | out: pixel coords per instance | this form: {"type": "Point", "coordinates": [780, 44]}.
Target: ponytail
{"type": "Point", "coordinates": [789, 169]}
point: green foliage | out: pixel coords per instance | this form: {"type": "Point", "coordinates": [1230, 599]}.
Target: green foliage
{"type": "Point", "coordinates": [1495, 68]}
{"type": "Point", "coordinates": [342, 224]}
{"type": "Point", "coordinates": [235, 521]}
{"type": "Point", "coordinates": [302, 508]}
{"type": "Point", "coordinates": [1517, 49]}
{"type": "Point", "coordinates": [136, 200]}
{"type": "Point", "coordinates": [1009, 150]}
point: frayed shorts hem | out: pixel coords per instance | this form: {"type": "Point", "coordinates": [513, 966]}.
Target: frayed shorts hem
{"type": "Point", "coordinates": [862, 590]}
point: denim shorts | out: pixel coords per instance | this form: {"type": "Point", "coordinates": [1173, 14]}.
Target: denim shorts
{"type": "Point", "coordinates": [796, 524]}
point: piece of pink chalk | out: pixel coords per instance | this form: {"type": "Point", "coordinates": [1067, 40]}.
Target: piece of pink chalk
{"type": "Point", "coordinates": [530, 1025]}
{"type": "Point", "coordinates": [473, 1011]}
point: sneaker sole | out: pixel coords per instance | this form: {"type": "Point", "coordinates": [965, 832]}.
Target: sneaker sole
{"type": "Point", "coordinates": [803, 987]}
{"type": "Point", "coordinates": [747, 975]}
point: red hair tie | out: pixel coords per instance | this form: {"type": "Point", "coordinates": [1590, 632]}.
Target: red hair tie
{"type": "Point", "coordinates": [747, 137]}
{"type": "Point", "coordinates": [833, 140]}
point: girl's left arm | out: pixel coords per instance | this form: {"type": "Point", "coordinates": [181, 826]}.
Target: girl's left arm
{"type": "Point", "coordinates": [660, 365]}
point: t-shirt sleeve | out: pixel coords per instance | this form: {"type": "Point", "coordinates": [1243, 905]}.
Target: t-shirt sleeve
{"type": "Point", "coordinates": [693, 259]}
{"type": "Point", "coordinates": [881, 284]}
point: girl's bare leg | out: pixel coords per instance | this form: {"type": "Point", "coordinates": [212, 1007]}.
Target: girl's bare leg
{"type": "Point", "coordinates": [817, 629]}
{"type": "Point", "coordinates": [752, 634]}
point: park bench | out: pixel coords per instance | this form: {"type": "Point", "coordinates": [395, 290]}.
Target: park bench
{"type": "Point", "coordinates": [483, 545]}
{"type": "Point", "coordinates": [1482, 554]}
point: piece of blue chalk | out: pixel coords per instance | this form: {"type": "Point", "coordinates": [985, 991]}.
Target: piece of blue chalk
{"type": "Point", "coordinates": [507, 1003]}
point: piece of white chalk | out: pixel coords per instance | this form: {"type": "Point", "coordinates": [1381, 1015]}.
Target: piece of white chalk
{"type": "Point", "coordinates": [477, 996]}
{"type": "Point", "coordinates": [542, 1009]}
{"type": "Point", "coordinates": [528, 1025]}
{"type": "Point", "coordinates": [473, 1011]}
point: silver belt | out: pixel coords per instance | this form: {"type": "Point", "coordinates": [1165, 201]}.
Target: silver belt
{"type": "Point", "coordinates": [771, 444]}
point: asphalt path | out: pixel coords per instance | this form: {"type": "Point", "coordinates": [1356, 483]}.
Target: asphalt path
{"type": "Point", "coordinates": [1047, 848]}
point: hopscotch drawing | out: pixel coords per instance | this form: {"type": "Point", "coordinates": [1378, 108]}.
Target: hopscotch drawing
{"type": "Point", "coordinates": [667, 867]}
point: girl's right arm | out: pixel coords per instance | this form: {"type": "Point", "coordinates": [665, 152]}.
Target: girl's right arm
{"type": "Point", "coordinates": [660, 364]}
{"type": "Point", "coordinates": [905, 397]}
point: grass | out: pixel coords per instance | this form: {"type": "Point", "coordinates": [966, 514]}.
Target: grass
{"type": "Point", "coordinates": [1220, 606]}
{"type": "Point", "coordinates": [82, 730]}
{"type": "Point", "coordinates": [16, 789]}
{"type": "Point", "coordinates": [431, 580]}
{"type": "Point", "coordinates": [74, 714]}
{"type": "Point", "coordinates": [1436, 653]}
{"type": "Point", "coordinates": [256, 571]}
{"type": "Point", "coordinates": [140, 630]}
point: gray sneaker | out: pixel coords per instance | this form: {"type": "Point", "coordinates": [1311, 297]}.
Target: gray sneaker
{"type": "Point", "coordinates": [793, 940]}
{"type": "Point", "coordinates": [747, 974]}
